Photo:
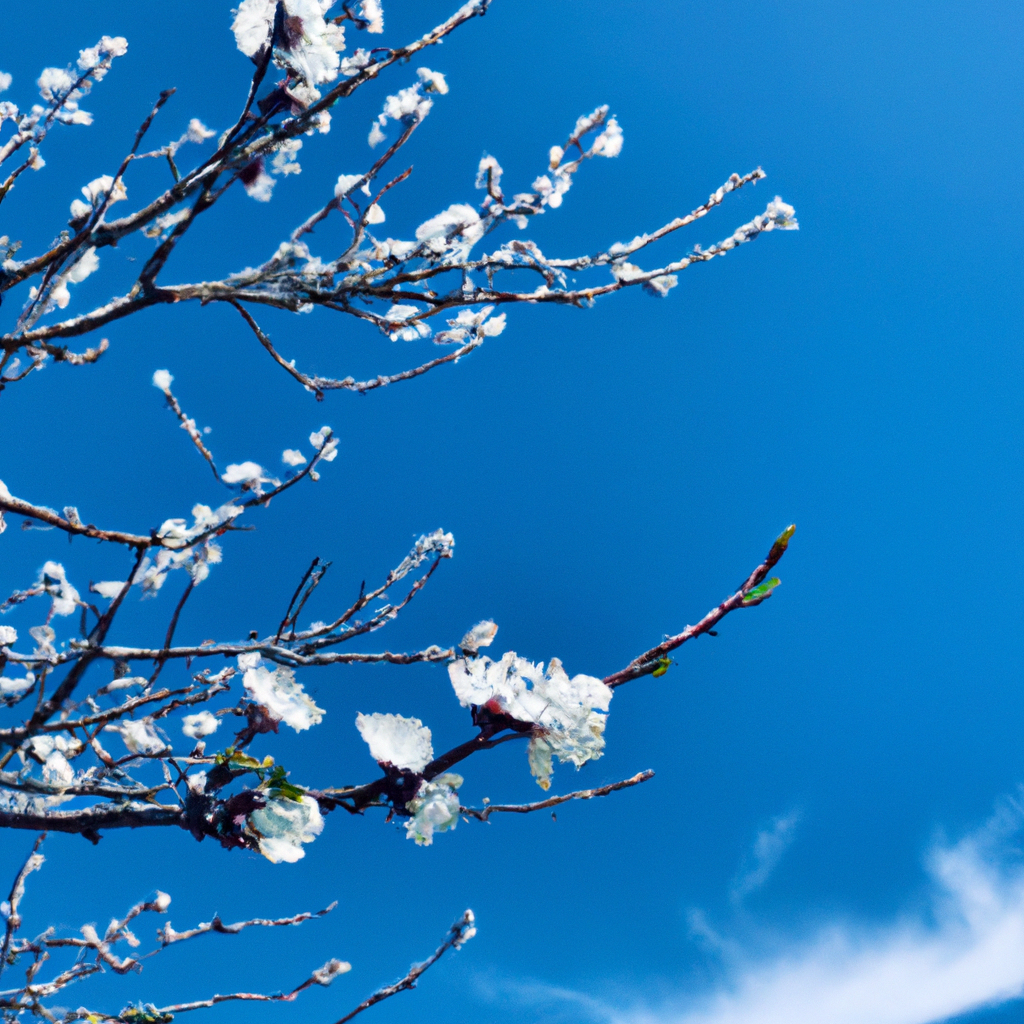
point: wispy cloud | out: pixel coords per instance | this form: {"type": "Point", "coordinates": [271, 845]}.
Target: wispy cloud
{"type": "Point", "coordinates": [768, 849]}
{"type": "Point", "coordinates": [963, 951]}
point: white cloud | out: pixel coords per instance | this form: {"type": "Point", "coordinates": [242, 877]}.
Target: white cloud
{"type": "Point", "coordinates": [963, 951]}
{"type": "Point", "coordinates": [769, 846]}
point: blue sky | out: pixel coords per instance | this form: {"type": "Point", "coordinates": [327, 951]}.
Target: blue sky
{"type": "Point", "coordinates": [835, 820]}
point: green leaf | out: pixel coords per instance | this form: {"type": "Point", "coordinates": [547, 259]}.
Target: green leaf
{"type": "Point", "coordinates": [763, 591]}
{"type": "Point", "coordinates": [663, 664]}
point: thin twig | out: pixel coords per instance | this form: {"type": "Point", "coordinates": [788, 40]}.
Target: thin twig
{"type": "Point", "coordinates": [483, 813]}
{"type": "Point", "coordinates": [461, 932]}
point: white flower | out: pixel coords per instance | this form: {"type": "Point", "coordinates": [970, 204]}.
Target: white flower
{"type": "Point", "coordinates": [57, 771]}
{"type": "Point", "coordinates": [481, 635]}
{"type": "Point", "coordinates": [16, 687]}
{"type": "Point", "coordinates": [5, 81]}
{"type": "Point", "coordinates": [661, 285]}
{"type": "Point", "coordinates": [555, 155]}
{"type": "Point", "coordinates": [330, 970]}
{"type": "Point", "coordinates": [249, 474]}
{"type": "Point", "coordinates": [8, 635]}
{"type": "Point", "coordinates": [435, 808]}
{"type": "Point", "coordinates": [609, 142]}
{"type": "Point", "coordinates": [374, 215]}
{"type": "Point", "coordinates": [309, 46]}
{"type": "Point", "coordinates": [346, 183]}
{"type": "Point", "coordinates": [433, 81]}
{"type": "Point", "coordinates": [353, 65]}
{"type": "Point", "coordinates": [197, 131]}
{"type": "Point", "coordinates": [282, 696]}
{"type": "Point", "coordinates": [460, 223]}
{"type": "Point", "coordinates": [488, 166]}
{"type": "Point", "coordinates": [569, 714]}
{"type": "Point", "coordinates": [249, 660]}
{"type": "Point", "coordinates": [55, 583]}
{"type": "Point", "coordinates": [162, 380]}
{"type": "Point", "coordinates": [396, 740]}
{"type": "Point", "coordinates": [324, 441]}
{"type": "Point", "coordinates": [140, 737]}
{"type": "Point", "coordinates": [283, 825]}
{"type": "Point", "coordinates": [286, 158]}
{"type": "Point", "coordinates": [200, 725]}
{"type": "Point", "coordinates": [371, 11]}
{"type": "Point", "coordinates": [53, 82]}
{"type": "Point", "coordinates": [161, 902]}
{"type": "Point", "coordinates": [292, 457]}
{"type": "Point", "coordinates": [107, 588]}
{"type": "Point", "coordinates": [781, 215]}
{"type": "Point", "coordinates": [97, 189]}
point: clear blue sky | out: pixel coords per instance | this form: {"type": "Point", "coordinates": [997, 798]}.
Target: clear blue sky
{"type": "Point", "coordinates": [609, 475]}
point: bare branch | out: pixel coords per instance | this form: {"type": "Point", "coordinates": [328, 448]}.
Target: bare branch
{"type": "Point", "coordinates": [747, 596]}
{"type": "Point", "coordinates": [483, 813]}
{"type": "Point", "coordinates": [33, 863]}
{"type": "Point", "coordinates": [461, 932]}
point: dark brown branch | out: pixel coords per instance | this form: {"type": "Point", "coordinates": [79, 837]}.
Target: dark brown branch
{"type": "Point", "coordinates": [647, 662]}
{"type": "Point", "coordinates": [168, 935]}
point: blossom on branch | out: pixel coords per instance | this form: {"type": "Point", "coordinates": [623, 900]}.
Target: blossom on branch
{"type": "Point", "coordinates": [281, 695]}
{"type": "Point", "coordinates": [402, 742]}
{"type": "Point", "coordinates": [435, 808]}
{"type": "Point", "coordinates": [282, 825]}
{"type": "Point", "coordinates": [568, 715]}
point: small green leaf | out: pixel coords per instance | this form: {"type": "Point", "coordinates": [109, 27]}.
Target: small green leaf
{"type": "Point", "coordinates": [781, 543]}
{"type": "Point", "coordinates": [663, 664]}
{"type": "Point", "coordinates": [763, 591]}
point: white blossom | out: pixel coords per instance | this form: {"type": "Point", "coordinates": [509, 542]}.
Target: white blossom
{"type": "Point", "coordinates": [5, 81]}
{"type": "Point", "coordinates": [97, 190]}
{"type": "Point", "coordinates": [353, 65]}
{"type": "Point", "coordinates": [435, 808]}
{"type": "Point", "coordinates": [481, 635]}
{"type": "Point", "coordinates": [162, 379]}
{"type": "Point", "coordinates": [286, 158]}
{"type": "Point", "coordinates": [199, 725]}
{"type": "Point", "coordinates": [16, 687]}
{"type": "Point", "coordinates": [452, 233]}
{"type": "Point", "coordinates": [161, 902]}
{"type": "Point", "coordinates": [324, 441]}
{"type": "Point", "coordinates": [250, 475]}
{"type": "Point", "coordinates": [346, 183]}
{"type": "Point", "coordinates": [282, 696]}
{"type": "Point", "coordinates": [249, 660]}
{"type": "Point", "coordinates": [94, 57]}
{"type": "Point", "coordinates": [782, 215]}
{"type": "Point", "coordinates": [396, 740]}
{"type": "Point", "coordinates": [374, 214]}
{"type": "Point", "coordinates": [309, 46]}
{"type": "Point", "coordinates": [44, 637]}
{"type": "Point", "coordinates": [140, 737]}
{"type": "Point", "coordinates": [433, 81]}
{"type": "Point", "coordinates": [8, 635]}
{"type": "Point", "coordinates": [488, 166]}
{"type": "Point", "coordinates": [293, 457]}
{"type": "Point", "coordinates": [197, 131]}
{"type": "Point", "coordinates": [661, 285]}
{"type": "Point", "coordinates": [55, 583]}
{"type": "Point", "coordinates": [372, 12]}
{"type": "Point", "coordinates": [330, 970]}
{"type": "Point", "coordinates": [283, 825]}
{"type": "Point", "coordinates": [569, 714]}
{"type": "Point", "coordinates": [609, 142]}
{"type": "Point", "coordinates": [107, 588]}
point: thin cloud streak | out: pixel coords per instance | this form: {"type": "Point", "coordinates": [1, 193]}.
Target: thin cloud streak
{"type": "Point", "coordinates": [768, 849]}
{"type": "Point", "coordinates": [965, 954]}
